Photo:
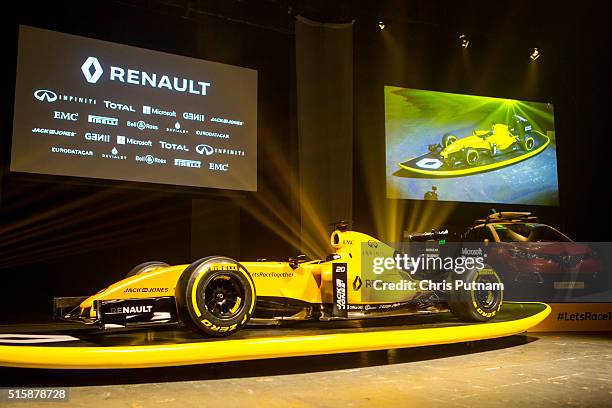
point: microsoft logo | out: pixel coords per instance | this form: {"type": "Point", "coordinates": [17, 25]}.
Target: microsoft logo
{"type": "Point", "coordinates": [148, 110]}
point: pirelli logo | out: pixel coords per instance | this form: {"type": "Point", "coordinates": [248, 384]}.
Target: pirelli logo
{"type": "Point", "coordinates": [224, 267]}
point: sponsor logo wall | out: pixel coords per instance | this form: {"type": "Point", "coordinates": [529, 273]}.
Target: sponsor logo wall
{"type": "Point", "coordinates": [116, 114]}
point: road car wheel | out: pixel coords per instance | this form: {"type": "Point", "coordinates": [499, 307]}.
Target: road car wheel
{"type": "Point", "coordinates": [215, 296]}
{"type": "Point", "coordinates": [527, 143]}
{"type": "Point", "coordinates": [471, 303]}
{"type": "Point", "coordinates": [472, 157]}
{"type": "Point", "coordinates": [146, 267]}
{"type": "Point", "coordinates": [448, 139]}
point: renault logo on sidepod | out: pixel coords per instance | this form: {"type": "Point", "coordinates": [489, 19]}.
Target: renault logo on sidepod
{"type": "Point", "coordinates": [92, 77]}
{"type": "Point", "coordinates": [357, 283]}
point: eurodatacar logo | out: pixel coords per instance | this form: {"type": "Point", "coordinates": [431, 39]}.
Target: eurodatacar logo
{"type": "Point", "coordinates": [92, 71]}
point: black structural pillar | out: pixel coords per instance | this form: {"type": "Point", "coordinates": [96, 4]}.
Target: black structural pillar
{"type": "Point", "coordinates": [324, 75]}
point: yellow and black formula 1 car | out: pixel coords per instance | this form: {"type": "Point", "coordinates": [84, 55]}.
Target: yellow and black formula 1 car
{"type": "Point", "coordinates": [498, 140]}
{"type": "Point", "coordinates": [217, 295]}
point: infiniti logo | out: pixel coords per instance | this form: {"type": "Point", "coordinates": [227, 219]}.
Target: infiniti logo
{"type": "Point", "coordinates": [45, 95]}
{"type": "Point", "coordinates": [204, 149]}
{"type": "Point", "coordinates": [92, 77]}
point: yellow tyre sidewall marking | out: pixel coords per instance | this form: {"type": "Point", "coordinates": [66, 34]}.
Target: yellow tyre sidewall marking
{"type": "Point", "coordinates": [236, 306]}
{"type": "Point", "coordinates": [473, 295]}
{"type": "Point", "coordinates": [194, 289]}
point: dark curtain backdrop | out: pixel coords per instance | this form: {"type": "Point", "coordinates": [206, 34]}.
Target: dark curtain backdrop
{"type": "Point", "coordinates": [324, 73]}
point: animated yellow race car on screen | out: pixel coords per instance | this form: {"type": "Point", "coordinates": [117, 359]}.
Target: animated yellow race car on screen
{"type": "Point", "coordinates": [217, 296]}
{"type": "Point", "coordinates": [498, 140]}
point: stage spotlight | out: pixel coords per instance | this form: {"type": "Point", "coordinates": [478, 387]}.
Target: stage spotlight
{"type": "Point", "coordinates": [535, 54]}
{"type": "Point", "coordinates": [381, 25]}
{"type": "Point", "coordinates": [464, 41]}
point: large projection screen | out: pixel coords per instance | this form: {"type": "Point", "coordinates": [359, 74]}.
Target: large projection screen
{"type": "Point", "coordinates": [452, 147]}
{"type": "Point", "coordinates": [90, 108]}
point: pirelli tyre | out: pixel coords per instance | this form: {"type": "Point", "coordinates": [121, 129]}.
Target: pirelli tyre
{"type": "Point", "coordinates": [215, 296]}
{"type": "Point", "coordinates": [472, 157]}
{"type": "Point", "coordinates": [527, 142]}
{"type": "Point", "coordinates": [468, 302]}
{"type": "Point", "coordinates": [448, 140]}
{"type": "Point", "coordinates": [146, 267]}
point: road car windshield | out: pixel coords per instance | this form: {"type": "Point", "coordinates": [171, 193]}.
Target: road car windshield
{"type": "Point", "coordinates": [528, 233]}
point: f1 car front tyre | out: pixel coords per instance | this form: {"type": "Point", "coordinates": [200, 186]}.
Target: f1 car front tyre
{"type": "Point", "coordinates": [448, 139]}
{"type": "Point", "coordinates": [527, 142]}
{"type": "Point", "coordinates": [146, 267]}
{"type": "Point", "coordinates": [472, 157]}
{"type": "Point", "coordinates": [215, 296]}
{"type": "Point", "coordinates": [469, 298]}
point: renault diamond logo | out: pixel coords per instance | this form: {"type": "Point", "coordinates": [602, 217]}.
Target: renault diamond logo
{"type": "Point", "coordinates": [357, 283]}
{"type": "Point", "coordinates": [45, 95]}
{"type": "Point", "coordinates": [92, 77]}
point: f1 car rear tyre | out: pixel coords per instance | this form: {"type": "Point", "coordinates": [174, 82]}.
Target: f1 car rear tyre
{"type": "Point", "coordinates": [448, 139]}
{"type": "Point", "coordinates": [215, 296]}
{"type": "Point", "coordinates": [146, 267]}
{"type": "Point", "coordinates": [527, 143]}
{"type": "Point", "coordinates": [472, 304]}
{"type": "Point", "coordinates": [471, 157]}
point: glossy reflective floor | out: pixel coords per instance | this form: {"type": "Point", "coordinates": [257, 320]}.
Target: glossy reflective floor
{"type": "Point", "coordinates": [534, 370]}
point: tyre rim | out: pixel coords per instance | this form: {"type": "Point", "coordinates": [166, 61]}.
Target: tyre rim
{"type": "Point", "coordinates": [223, 297]}
{"type": "Point", "coordinates": [472, 157]}
{"type": "Point", "coordinates": [486, 299]}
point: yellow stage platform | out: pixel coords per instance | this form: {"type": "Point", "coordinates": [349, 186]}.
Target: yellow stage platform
{"type": "Point", "coordinates": [137, 349]}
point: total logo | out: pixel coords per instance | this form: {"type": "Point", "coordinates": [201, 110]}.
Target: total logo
{"type": "Point", "coordinates": [103, 120]}
{"type": "Point", "coordinates": [97, 137]}
{"type": "Point", "coordinates": [45, 95]}
{"type": "Point", "coordinates": [209, 150]}
{"type": "Point", "coordinates": [188, 163]}
{"type": "Point", "coordinates": [93, 71]}
{"type": "Point", "coordinates": [66, 116]}
{"type": "Point", "coordinates": [114, 155]}
{"type": "Point", "coordinates": [173, 146]}
{"type": "Point", "coordinates": [149, 110]}
{"type": "Point", "coordinates": [118, 106]}
{"type": "Point", "coordinates": [142, 125]}
{"type": "Point", "coordinates": [177, 129]}
{"type": "Point", "coordinates": [128, 140]}
{"type": "Point", "coordinates": [150, 159]}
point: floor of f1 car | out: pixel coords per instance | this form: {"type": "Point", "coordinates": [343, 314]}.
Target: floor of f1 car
{"type": "Point", "coordinates": [535, 370]}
